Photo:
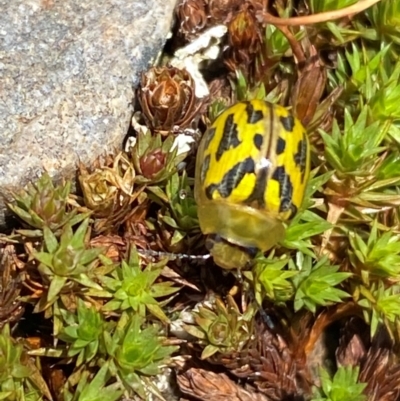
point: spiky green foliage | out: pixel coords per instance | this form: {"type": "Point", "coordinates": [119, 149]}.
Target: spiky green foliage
{"type": "Point", "coordinates": [369, 77]}
{"type": "Point", "coordinates": [136, 350]}
{"type": "Point", "coordinates": [272, 279]}
{"type": "Point", "coordinates": [132, 287]}
{"type": "Point", "coordinates": [95, 389]}
{"type": "Point", "coordinates": [344, 386]}
{"type": "Point", "coordinates": [351, 150]}
{"type": "Point", "coordinates": [15, 373]}
{"type": "Point", "coordinates": [243, 91]}
{"type": "Point", "coordinates": [179, 211]}
{"type": "Point", "coordinates": [66, 262]}
{"type": "Point", "coordinates": [319, 7]}
{"type": "Point", "coordinates": [310, 284]}
{"type": "Point", "coordinates": [378, 256]}
{"type": "Point", "coordinates": [385, 17]}
{"type": "Point", "coordinates": [223, 328]}
{"type": "Point", "coordinates": [307, 224]}
{"type": "Point", "coordinates": [358, 71]}
{"type": "Point", "coordinates": [276, 42]}
{"type": "Point", "coordinates": [183, 205]}
{"type": "Point", "coordinates": [380, 306]}
{"type": "Point", "coordinates": [375, 261]}
{"type": "Point", "coordinates": [302, 229]}
{"type": "Point", "coordinates": [83, 332]}
{"type": "Point", "coordinates": [362, 179]}
{"type": "Point", "coordinates": [316, 285]}
{"type": "Point", "coordinates": [44, 205]}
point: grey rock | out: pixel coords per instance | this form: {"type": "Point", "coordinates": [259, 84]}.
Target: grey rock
{"type": "Point", "coordinates": [68, 69]}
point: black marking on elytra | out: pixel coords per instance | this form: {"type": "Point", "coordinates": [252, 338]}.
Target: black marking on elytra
{"type": "Point", "coordinates": [210, 190]}
{"type": "Point", "coordinates": [231, 179]}
{"type": "Point", "coordinates": [204, 168]}
{"type": "Point", "coordinates": [285, 189]}
{"type": "Point", "coordinates": [280, 146]}
{"type": "Point", "coordinates": [300, 158]}
{"type": "Point", "coordinates": [288, 122]}
{"type": "Point", "coordinates": [210, 133]}
{"type": "Point", "coordinates": [258, 140]}
{"type": "Point", "coordinates": [229, 138]}
{"type": "Point", "coordinates": [253, 116]}
{"type": "Point", "coordinates": [259, 189]}
{"type": "Point", "coordinates": [270, 135]}
{"type": "Point", "coordinates": [293, 211]}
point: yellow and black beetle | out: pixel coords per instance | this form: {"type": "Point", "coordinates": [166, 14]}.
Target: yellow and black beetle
{"type": "Point", "coordinates": [252, 168]}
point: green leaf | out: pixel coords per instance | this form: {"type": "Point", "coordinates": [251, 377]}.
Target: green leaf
{"type": "Point", "coordinates": [274, 280]}
{"type": "Point", "coordinates": [50, 240]}
{"type": "Point", "coordinates": [380, 306]}
{"type": "Point", "coordinates": [209, 351]}
{"type": "Point", "coordinates": [133, 288]}
{"type": "Point", "coordinates": [343, 387]}
{"type": "Point", "coordinates": [315, 286]}
{"type": "Point", "coordinates": [44, 257]}
{"type": "Point", "coordinates": [379, 256]}
{"type": "Point", "coordinates": [96, 390]}
{"type": "Point", "coordinates": [156, 311]}
{"type": "Point", "coordinates": [318, 6]}
{"type": "Point", "coordinates": [56, 285]}
{"type": "Point", "coordinates": [85, 281]}
{"type": "Point", "coordinates": [78, 238]}
{"type": "Point", "coordinates": [90, 255]}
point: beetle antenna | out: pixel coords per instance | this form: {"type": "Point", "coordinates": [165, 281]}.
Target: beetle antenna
{"type": "Point", "coordinates": [172, 256]}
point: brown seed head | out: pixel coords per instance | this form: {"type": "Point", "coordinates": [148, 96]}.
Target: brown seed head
{"type": "Point", "coordinates": [152, 163]}
{"type": "Point", "coordinates": [245, 41]}
{"type": "Point", "coordinates": [192, 16]}
{"type": "Point", "coordinates": [168, 98]}
{"type": "Point", "coordinates": [244, 32]}
{"type": "Point", "coordinates": [308, 90]}
{"type": "Point", "coordinates": [221, 11]}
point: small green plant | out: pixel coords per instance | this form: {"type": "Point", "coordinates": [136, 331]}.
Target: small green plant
{"type": "Point", "coordinates": [319, 7]}
{"type": "Point", "coordinates": [378, 257]}
{"type": "Point", "coordinates": [83, 333]}
{"type": "Point", "coordinates": [44, 205]}
{"type": "Point", "coordinates": [95, 389]}
{"type": "Point", "coordinates": [272, 279]}
{"type": "Point", "coordinates": [307, 224]}
{"type": "Point", "coordinates": [155, 159]}
{"type": "Point", "coordinates": [222, 328]}
{"type": "Point", "coordinates": [177, 218]}
{"type": "Point", "coordinates": [315, 284]}
{"type": "Point", "coordinates": [385, 20]}
{"type": "Point", "coordinates": [66, 262]}
{"type": "Point", "coordinates": [380, 306]}
{"type": "Point", "coordinates": [342, 387]}
{"type": "Point", "coordinates": [136, 289]}
{"type": "Point", "coordinates": [15, 373]}
{"type": "Point", "coordinates": [350, 151]}
{"type": "Point", "coordinates": [183, 206]}
{"type": "Point", "coordinates": [135, 351]}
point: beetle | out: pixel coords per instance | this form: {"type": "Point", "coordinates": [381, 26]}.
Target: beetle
{"type": "Point", "coordinates": [252, 168]}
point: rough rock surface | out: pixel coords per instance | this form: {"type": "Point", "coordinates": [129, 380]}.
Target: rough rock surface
{"type": "Point", "coordinates": [68, 69]}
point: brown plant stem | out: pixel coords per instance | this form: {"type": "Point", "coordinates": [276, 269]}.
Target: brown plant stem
{"type": "Point", "coordinates": [294, 44]}
{"type": "Point", "coordinates": [320, 17]}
